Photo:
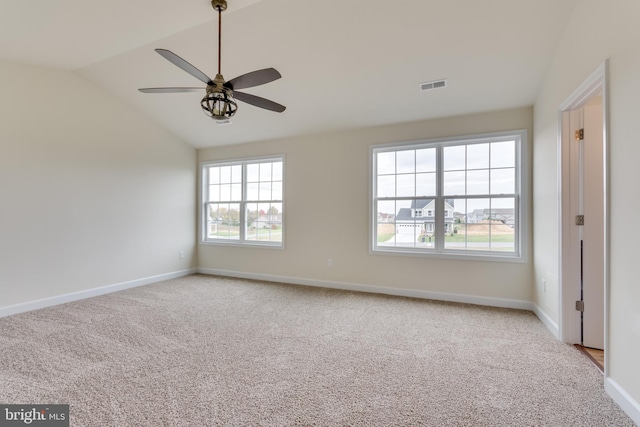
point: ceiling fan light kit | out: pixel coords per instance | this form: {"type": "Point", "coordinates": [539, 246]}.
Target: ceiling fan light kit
{"type": "Point", "coordinates": [218, 103]}
{"type": "Point", "coordinates": [219, 100]}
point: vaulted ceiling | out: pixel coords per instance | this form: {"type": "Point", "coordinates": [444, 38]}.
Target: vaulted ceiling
{"type": "Point", "coordinates": [348, 64]}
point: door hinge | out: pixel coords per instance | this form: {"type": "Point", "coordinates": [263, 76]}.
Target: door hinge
{"type": "Point", "coordinates": [579, 134]}
{"type": "Point", "coordinates": [579, 219]}
{"type": "Point", "coordinates": [580, 305]}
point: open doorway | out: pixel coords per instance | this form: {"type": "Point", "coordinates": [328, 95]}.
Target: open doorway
{"type": "Point", "coordinates": [583, 215]}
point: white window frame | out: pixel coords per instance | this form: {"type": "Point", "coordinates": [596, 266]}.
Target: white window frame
{"type": "Point", "coordinates": [204, 202]}
{"type": "Point", "coordinates": [520, 253]}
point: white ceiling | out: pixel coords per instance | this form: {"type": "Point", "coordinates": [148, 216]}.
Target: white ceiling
{"type": "Point", "coordinates": [345, 65]}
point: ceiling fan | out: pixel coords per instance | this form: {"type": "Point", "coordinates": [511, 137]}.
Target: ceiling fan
{"type": "Point", "coordinates": [219, 100]}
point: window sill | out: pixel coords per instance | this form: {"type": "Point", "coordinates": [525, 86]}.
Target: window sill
{"type": "Point", "coordinates": [244, 244]}
{"type": "Point", "coordinates": [454, 256]}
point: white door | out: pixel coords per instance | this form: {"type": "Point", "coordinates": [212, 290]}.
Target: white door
{"type": "Point", "coordinates": [593, 229]}
{"type": "Point", "coordinates": [584, 181]}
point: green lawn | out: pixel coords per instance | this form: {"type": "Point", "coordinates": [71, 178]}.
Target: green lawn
{"type": "Point", "coordinates": [385, 237]}
{"type": "Point", "coordinates": [225, 233]}
{"type": "Point", "coordinates": [497, 238]}
{"type": "Point", "coordinates": [505, 238]}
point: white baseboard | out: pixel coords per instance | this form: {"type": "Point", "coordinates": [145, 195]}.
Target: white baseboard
{"type": "Point", "coordinates": [75, 296]}
{"type": "Point", "coordinates": [622, 398]}
{"type": "Point", "coordinates": [414, 293]}
{"type": "Point", "coordinates": [547, 321]}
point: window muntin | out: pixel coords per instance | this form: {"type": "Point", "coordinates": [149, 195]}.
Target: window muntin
{"type": "Point", "coordinates": [243, 202]}
{"type": "Point", "coordinates": [472, 204]}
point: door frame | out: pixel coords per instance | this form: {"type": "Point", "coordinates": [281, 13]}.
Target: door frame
{"type": "Point", "coordinates": [568, 268]}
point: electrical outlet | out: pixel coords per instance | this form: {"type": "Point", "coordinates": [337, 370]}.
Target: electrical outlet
{"type": "Point", "coordinates": [181, 254]}
{"type": "Point", "coordinates": [329, 262]}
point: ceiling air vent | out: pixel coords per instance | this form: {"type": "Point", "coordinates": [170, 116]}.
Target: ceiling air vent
{"type": "Point", "coordinates": [223, 122]}
{"type": "Point", "coordinates": [436, 84]}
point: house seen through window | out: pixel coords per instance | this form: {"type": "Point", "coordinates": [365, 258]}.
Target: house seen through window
{"type": "Point", "coordinates": [460, 196]}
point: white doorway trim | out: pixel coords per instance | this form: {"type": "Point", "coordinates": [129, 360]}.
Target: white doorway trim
{"type": "Point", "coordinates": [569, 318]}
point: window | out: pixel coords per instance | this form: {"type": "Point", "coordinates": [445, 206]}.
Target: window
{"type": "Point", "coordinates": [471, 188]}
{"type": "Point", "coordinates": [242, 202]}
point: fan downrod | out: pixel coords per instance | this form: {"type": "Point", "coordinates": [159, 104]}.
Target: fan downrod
{"type": "Point", "coordinates": [219, 5]}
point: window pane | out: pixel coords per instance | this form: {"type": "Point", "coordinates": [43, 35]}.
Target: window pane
{"type": "Point", "coordinates": [478, 156]}
{"type": "Point", "coordinates": [253, 172]}
{"type": "Point", "coordinates": [454, 157]}
{"type": "Point", "coordinates": [236, 173]}
{"type": "Point", "coordinates": [405, 161]}
{"type": "Point", "coordinates": [386, 163]}
{"type": "Point", "coordinates": [406, 185]}
{"type": "Point", "coordinates": [503, 181]}
{"type": "Point", "coordinates": [503, 154]}
{"type": "Point", "coordinates": [454, 183]}
{"type": "Point", "coordinates": [223, 221]}
{"type": "Point", "coordinates": [456, 237]}
{"type": "Point", "coordinates": [275, 209]}
{"type": "Point", "coordinates": [214, 175]}
{"type": "Point", "coordinates": [478, 227]}
{"type": "Point", "coordinates": [386, 211]}
{"type": "Point", "coordinates": [413, 230]}
{"type": "Point", "coordinates": [276, 190]}
{"type": "Point", "coordinates": [265, 171]}
{"type": "Point", "coordinates": [386, 234]}
{"type": "Point", "coordinates": [236, 192]}
{"type": "Point", "coordinates": [265, 191]}
{"type": "Point", "coordinates": [225, 174]}
{"type": "Point", "coordinates": [264, 222]}
{"type": "Point", "coordinates": [386, 230]}
{"type": "Point", "coordinates": [426, 184]}
{"type": "Point", "coordinates": [277, 171]}
{"type": "Point", "coordinates": [478, 182]}
{"type": "Point", "coordinates": [426, 160]}
{"type": "Point", "coordinates": [252, 191]}
{"type": "Point", "coordinates": [225, 192]}
{"type": "Point", "coordinates": [214, 193]}
{"type": "Point", "coordinates": [251, 216]}
{"type": "Point", "coordinates": [386, 186]}
{"type": "Point", "coordinates": [408, 233]}
{"type": "Point", "coordinates": [503, 225]}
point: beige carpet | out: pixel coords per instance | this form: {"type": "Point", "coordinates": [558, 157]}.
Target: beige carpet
{"type": "Point", "coordinates": [206, 351]}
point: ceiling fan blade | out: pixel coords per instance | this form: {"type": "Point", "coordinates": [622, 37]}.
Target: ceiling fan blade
{"type": "Point", "coordinates": [259, 102]}
{"type": "Point", "coordinates": [170, 89]}
{"type": "Point", "coordinates": [181, 63]}
{"type": "Point", "coordinates": [254, 78]}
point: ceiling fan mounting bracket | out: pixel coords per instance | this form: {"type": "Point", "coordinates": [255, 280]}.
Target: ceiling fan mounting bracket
{"type": "Point", "coordinates": [219, 5]}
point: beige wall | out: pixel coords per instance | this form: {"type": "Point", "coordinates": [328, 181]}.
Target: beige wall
{"type": "Point", "coordinates": [91, 192]}
{"type": "Point", "coordinates": [327, 215]}
{"type": "Point", "coordinates": [597, 30]}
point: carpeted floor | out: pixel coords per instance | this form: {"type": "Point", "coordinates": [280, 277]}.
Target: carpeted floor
{"type": "Point", "coordinates": [208, 351]}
